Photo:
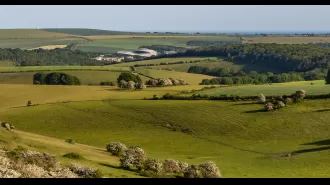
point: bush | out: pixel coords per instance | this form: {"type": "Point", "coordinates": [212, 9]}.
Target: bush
{"type": "Point", "coordinates": [171, 166]}
{"type": "Point", "coordinates": [140, 86]}
{"type": "Point", "coordinates": [209, 170]}
{"type": "Point", "coordinates": [164, 82]}
{"type": "Point", "coordinates": [269, 106]}
{"type": "Point", "coordinates": [183, 166]}
{"type": "Point", "coordinates": [287, 100]}
{"type": "Point", "coordinates": [299, 95]}
{"type": "Point", "coordinates": [73, 156]}
{"type": "Point", "coordinates": [155, 97]}
{"type": "Point", "coordinates": [29, 103]}
{"type": "Point", "coordinates": [85, 172]}
{"type": "Point", "coordinates": [131, 84]}
{"type": "Point", "coordinates": [192, 172]}
{"type": "Point", "coordinates": [69, 140]}
{"type": "Point", "coordinates": [116, 148]}
{"type": "Point", "coordinates": [153, 165]}
{"type": "Point", "coordinates": [261, 99]}
{"type": "Point", "coordinates": [152, 82]}
{"type": "Point", "coordinates": [122, 84]}
{"type": "Point", "coordinates": [133, 157]}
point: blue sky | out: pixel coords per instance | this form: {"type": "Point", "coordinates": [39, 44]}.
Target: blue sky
{"type": "Point", "coordinates": [183, 18]}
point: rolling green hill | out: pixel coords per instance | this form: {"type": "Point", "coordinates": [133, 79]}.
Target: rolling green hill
{"type": "Point", "coordinates": [85, 31]}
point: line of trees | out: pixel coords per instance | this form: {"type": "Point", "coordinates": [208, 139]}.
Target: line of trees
{"type": "Point", "coordinates": [55, 78]}
{"type": "Point", "coordinates": [284, 57]}
{"type": "Point", "coordinates": [56, 57]}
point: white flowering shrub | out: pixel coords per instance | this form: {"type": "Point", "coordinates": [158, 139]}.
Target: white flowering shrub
{"type": "Point", "coordinates": [115, 148]}
{"type": "Point", "coordinates": [192, 172]}
{"type": "Point", "coordinates": [130, 84]}
{"type": "Point", "coordinates": [209, 170]}
{"type": "Point", "coordinates": [261, 99]}
{"type": "Point", "coordinates": [85, 172]}
{"type": "Point", "coordinates": [133, 157]}
{"type": "Point", "coordinates": [171, 166]}
{"type": "Point", "coordinates": [183, 166]}
{"type": "Point", "coordinates": [153, 165]}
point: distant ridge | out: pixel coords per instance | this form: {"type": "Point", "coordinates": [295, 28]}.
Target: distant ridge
{"type": "Point", "coordinates": [86, 31]}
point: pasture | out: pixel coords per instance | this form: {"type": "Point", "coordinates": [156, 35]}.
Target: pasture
{"type": "Point", "coordinates": [317, 87]}
{"type": "Point", "coordinates": [243, 142]}
{"type": "Point", "coordinates": [286, 39]}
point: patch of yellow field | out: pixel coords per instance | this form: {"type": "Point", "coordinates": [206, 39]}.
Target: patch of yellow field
{"type": "Point", "coordinates": [286, 40]}
{"type": "Point", "coordinates": [50, 47]}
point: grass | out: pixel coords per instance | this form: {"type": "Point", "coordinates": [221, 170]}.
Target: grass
{"type": "Point", "coordinates": [94, 157]}
{"type": "Point", "coordinates": [191, 78]}
{"type": "Point", "coordinates": [319, 87]}
{"type": "Point", "coordinates": [240, 143]}
{"type": "Point", "coordinates": [86, 77]}
{"type": "Point", "coordinates": [41, 94]}
{"type": "Point", "coordinates": [59, 68]}
{"type": "Point", "coordinates": [29, 34]}
{"type": "Point", "coordinates": [112, 44]}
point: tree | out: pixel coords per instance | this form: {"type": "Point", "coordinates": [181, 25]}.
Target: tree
{"type": "Point", "coordinates": [261, 98]}
{"type": "Point", "coordinates": [328, 77]}
{"type": "Point", "coordinates": [127, 76]}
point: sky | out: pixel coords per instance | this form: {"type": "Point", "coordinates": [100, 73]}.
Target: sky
{"type": "Point", "coordinates": [177, 18]}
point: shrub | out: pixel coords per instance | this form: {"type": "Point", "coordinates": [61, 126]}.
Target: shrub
{"type": "Point", "coordinates": [269, 106]}
{"type": "Point", "coordinates": [69, 140]}
{"type": "Point", "coordinates": [261, 99]}
{"type": "Point", "coordinates": [175, 82]}
{"type": "Point", "coordinates": [299, 95]}
{"type": "Point", "coordinates": [29, 103]}
{"type": "Point", "coordinates": [209, 170]}
{"type": "Point", "coordinates": [183, 166]}
{"type": "Point", "coordinates": [171, 166]}
{"type": "Point", "coordinates": [287, 100]}
{"type": "Point", "coordinates": [55, 78]}
{"type": "Point", "coordinates": [73, 156]}
{"type": "Point", "coordinates": [183, 82]}
{"type": "Point", "coordinates": [140, 86]}
{"type": "Point", "coordinates": [165, 82]}
{"type": "Point", "coordinates": [122, 84]}
{"type": "Point", "coordinates": [153, 165]}
{"type": "Point", "coordinates": [192, 172]}
{"type": "Point", "coordinates": [133, 157]}
{"type": "Point", "coordinates": [85, 172]}
{"type": "Point", "coordinates": [155, 97]}
{"type": "Point", "coordinates": [116, 148]}
{"type": "Point", "coordinates": [131, 84]}
{"type": "Point", "coordinates": [152, 82]}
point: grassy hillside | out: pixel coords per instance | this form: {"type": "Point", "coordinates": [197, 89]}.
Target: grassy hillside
{"type": "Point", "coordinates": [193, 79]}
{"type": "Point", "coordinates": [84, 31]}
{"type": "Point", "coordinates": [94, 157]}
{"type": "Point", "coordinates": [30, 34]}
{"type": "Point", "coordinates": [317, 87]}
{"type": "Point", "coordinates": [240, 144]}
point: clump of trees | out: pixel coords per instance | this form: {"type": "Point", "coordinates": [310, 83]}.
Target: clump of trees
{"type": "Point", "coordinates": [282, 101]}
{"type": "Point", "coordinates": [55, 78]}
{"type": "Point", "coordinates": [136, 158]}
{"type": "Point", "coordinates": [128, 80]}
{"type": "Point", "coordinates": [165, 82]}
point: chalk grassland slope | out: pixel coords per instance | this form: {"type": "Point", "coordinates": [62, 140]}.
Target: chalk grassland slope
{"type": "Point", "coordinates": [94, 157]}
{"type": "Point", "coordinates": [30, 34]}
{"type": "Point", "coordinates": [86, 77]}
{"type": "Point", "coordinates": [238, 137]}
{"type": "Point", "coordinates": [193, 79]}
{"type": "Point", "coordinates": [317, 87]}
{"type": "Point", "coordinates": [112, 44]}
{"type": "Point", "coordinates": [49, 47]}
{"type": "Point", "coordinates": [286, 39]}
{"type": "Point", "coordinates": [13, 95]}
{"type": "Point", "coordinates": [59, 68]}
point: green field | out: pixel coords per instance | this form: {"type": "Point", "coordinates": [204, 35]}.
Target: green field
{"type": "Point", "coordinates": [6, 63]}
{"type": "Point", "coordinates": [131, 43]}
{"type": "Point", "coordinates": [191, 78]}
{"type": "Point", "coordinates": [242, 144]}
{"type": "Point", "coordinates": [59, 68]}
{"type": "Point", "coordinates": [318, 87]}
{"type": "Point", "coordinates": [86, 77]}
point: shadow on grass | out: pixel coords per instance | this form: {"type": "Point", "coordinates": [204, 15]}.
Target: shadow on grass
{"type": "Point", "coordinates": [311, 150]}
{"type": "Point", "coordinates": [322, 110]}
{"type": "Point", "coordinates": [118, 167]}
{"type": "Point", "coordinates": [247, 103]}
{"type": "Point", "coordinates": [255, 111]}
{"type": "Point", "coordinates": [323, 142]}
